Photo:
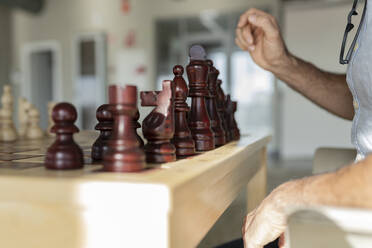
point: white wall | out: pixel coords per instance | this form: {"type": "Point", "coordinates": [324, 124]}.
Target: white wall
{"type": "Point", "coordinates": [315, 34]}
{"type": "Point", "coordinates": [62, 20]}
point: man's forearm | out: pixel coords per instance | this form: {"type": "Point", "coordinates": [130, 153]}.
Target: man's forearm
{"type": "Point", "coordinates": [328, 90]}
{"type": "Point", "coordinates": [348, 187]}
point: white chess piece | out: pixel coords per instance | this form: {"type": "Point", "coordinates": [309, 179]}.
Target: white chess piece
{"type": "Point", "coordinates": [23, 106]}
{"type": "Point", "coordinates": [50, 120]}
{"type": "Point", "coordinates": [33, 129]}
{"type": "Point", "coordinates": [8, 131]}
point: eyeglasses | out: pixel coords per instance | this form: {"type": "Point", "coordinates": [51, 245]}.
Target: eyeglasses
{"type": "Point", "coordinates": [350, 26]}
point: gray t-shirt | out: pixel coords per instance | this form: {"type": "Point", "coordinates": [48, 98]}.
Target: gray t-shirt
{"type": "Point", "coordinates": [359, 79]}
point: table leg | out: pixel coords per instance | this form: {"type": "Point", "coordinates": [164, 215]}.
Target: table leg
{"type": "Point", "coordinates": [256, 188]}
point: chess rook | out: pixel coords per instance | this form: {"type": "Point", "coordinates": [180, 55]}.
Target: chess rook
{"type": "Point", "coordinates": [198, 119]}
{"type": "Point", "coordinates": [124, 153]}
{"type": "Point", "coordinates": [231, 108]}
{"type": "Point", "coordinates": [211, 101]}
{"type": "Point", "coordinates": [221, 108]}
{"type": "Point", "coordinates": [182, 139]}
{"type": "Point", "coordinates": [104, 125]}
{"type": "Point", "coordinates": [158, 126]}
{"type": "Point", "coordinates": [64, 153]}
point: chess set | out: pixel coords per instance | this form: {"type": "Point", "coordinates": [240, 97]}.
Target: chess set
{"type": "Point", "coordinates": [100, 188]}
{"type": "Point", "coordinates": [173, 130]}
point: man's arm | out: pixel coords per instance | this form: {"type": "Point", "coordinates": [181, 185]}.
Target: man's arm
{"type": "Point", "coordinates": [348, 187]}
{"type": "Point", "coordinates": [259, 33]}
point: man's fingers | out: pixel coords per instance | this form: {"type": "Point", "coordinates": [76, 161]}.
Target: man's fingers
{"type": "Point", "coordinates": [265, 23]}
{"type": "Point", "coordinates": [247, 220]}
{"type": "Point", "coordinates": [282, 241]}
{"type": "Point", "coordinates": [241, 40]}
{"type": "Point", "coordinates": [261, 19]}
{"type": "Point", "coordinates": [242, 43]}
{"type": "Point", "coordinates": [244, 18]}
{"type": "Point", "coordinates": [247, 34]}
{"type": "Point", "coordinates": [237, 41]}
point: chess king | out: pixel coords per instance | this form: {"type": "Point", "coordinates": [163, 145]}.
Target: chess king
{"type": "Point", "coordinates": [199, 122]}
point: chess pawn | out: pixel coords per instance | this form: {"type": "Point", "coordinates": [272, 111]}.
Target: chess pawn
{"type": "Point", "coordinates": [221, 108]}
{"type": "Point", "coordinates": [50, 119]}
{"type": "Point", "coordinates": [8, 131]}
{"type": "Point", "coordinates": [33, 130]}
{"type": "Point", "coordinates": [64, 153]}
{"type": "Point", "coordinates": [231, 108]}
{"type": "Point", "coordinates": [199, 123]}
{"type": "Point", "coordinates": [182, 139]}
{"type": "Point", "coordinates": [105, 124]}
{"type": "Point", "coordinates": [124, 153]}
{"type": "Point", "coordinates": [137, 125]}
{"type": "Point", "coordinates": [22, 117]}
{"type": "Point", "coordinates": [211, 101]}
{"type": "Point", "coordinates": [158, 126]}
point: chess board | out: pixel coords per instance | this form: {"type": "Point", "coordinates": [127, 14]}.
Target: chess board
{"type": "Point", "coordinates": [26, 154]}
{"type": "Point", "coordinates": [179, 202]}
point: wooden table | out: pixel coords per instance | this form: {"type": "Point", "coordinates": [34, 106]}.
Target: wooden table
{"type": "Point", "coordinates": [171, 205]}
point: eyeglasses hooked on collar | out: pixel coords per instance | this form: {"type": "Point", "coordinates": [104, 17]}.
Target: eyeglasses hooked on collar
{"type": "Point", "coordinates": [350, 26]}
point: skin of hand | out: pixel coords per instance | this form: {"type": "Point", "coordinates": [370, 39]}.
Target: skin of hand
{"type": "Point", "coordinates": [348, 187]}
{"type": "Point", "coordinates": [268, 221]}
{"type": "Point", "coordinates": [258, 33]}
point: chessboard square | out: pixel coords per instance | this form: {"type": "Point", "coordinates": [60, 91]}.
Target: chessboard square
{"type": "Point", "coordinates": [87, 153]}
{"type": "Point", "coordinates": [16, 149]}
{"type": "Point", "coordinates": [27, 158]}
{"type": "Point", "coordinates": [11, 156]}
{"type": "Point", "coordinates": [19, 165]}
{"type": "Point", "coordinates": [39, 152]}
{"type": "Point", "coordinates": [88, 160]}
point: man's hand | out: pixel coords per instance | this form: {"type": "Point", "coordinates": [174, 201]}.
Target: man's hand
{"type": "Point", "coordinates": [258, 32]}
{"type": "Point", "coordinates": [268, 221]}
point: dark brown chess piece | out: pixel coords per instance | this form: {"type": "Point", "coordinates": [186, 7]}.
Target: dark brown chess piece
{"type": "Point", "coordinates": [231, 108]}
{"type": "Point", "coordinates": [182, 139]}
{"type": "Point", "coordinates": [211, 101]}
{"type": "Point", "coordinates": [199, 123]}
{"type": "Point", "coordinates": [105, 124]}
{"type": "Point", "coordinates": [124, 153]}
{"type": "Point", "coordinates": [64, 153]}
{"type": "Point", "coordinates": [158, 126]}
{"type": "Point", "coordinates": [136, 126]}
{"type": "Point", "coordinates": [221, 108]}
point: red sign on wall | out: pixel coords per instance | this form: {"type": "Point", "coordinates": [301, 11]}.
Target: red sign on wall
{"type": "Point", "coordinates": [125, 6]}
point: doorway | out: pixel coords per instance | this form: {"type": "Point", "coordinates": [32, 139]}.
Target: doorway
{"type": "Point", "coordinates": [90, 76]}
{"type": "Point", "coordinates": [41, 81]}
{"type": "Point", "coordinates": [251, 86]}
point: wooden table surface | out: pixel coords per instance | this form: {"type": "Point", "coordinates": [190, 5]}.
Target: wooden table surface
{"type": "Point", "coordinates": [170, 205]}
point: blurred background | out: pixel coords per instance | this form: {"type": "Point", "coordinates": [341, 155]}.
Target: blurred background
{"type": "Point", "coordinates": [71, 50]}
